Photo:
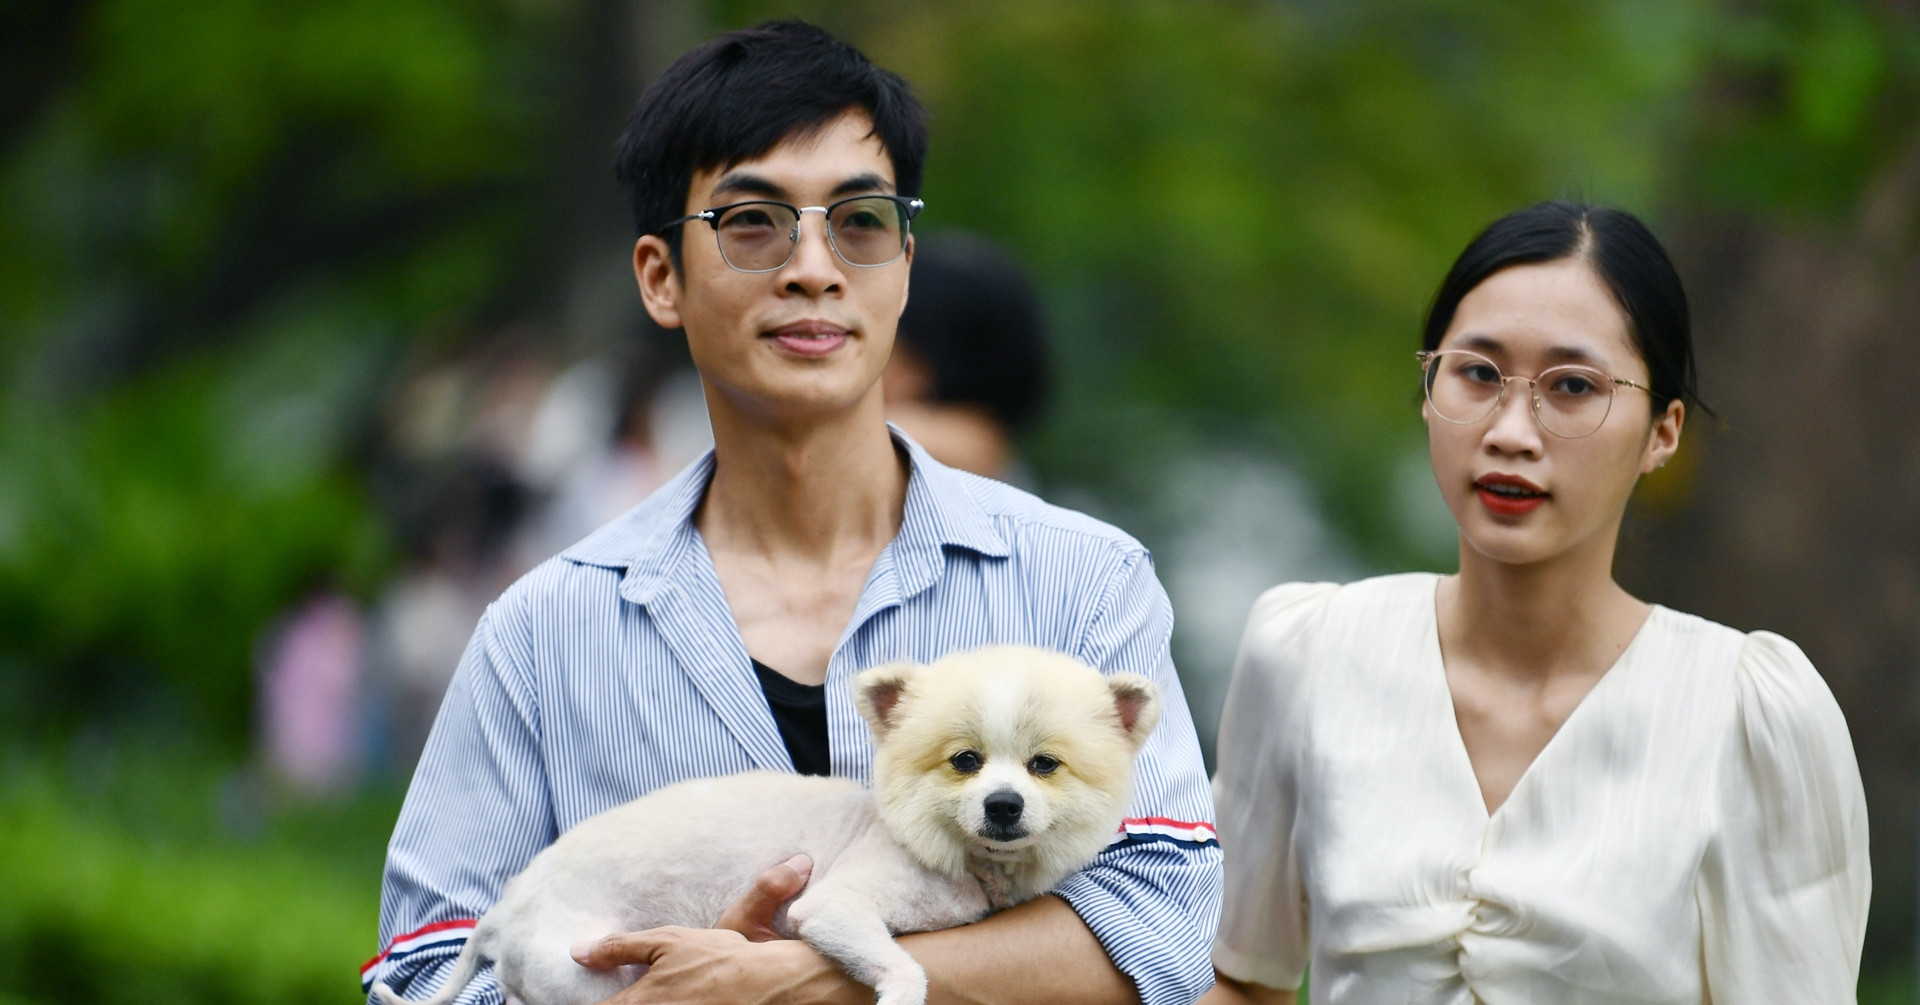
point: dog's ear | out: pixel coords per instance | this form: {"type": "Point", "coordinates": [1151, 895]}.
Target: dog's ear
{"type": "Point", "coordinates": [877, 693]}
{"type": "Point", "coordinates": [1137, 701]}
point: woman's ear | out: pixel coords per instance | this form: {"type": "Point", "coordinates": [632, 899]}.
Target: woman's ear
{"type": "Point", "coordinates": [659, 281]}
{"type": "Point", "coordinates": [1664, 438]}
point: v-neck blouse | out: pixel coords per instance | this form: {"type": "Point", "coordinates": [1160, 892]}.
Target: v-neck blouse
{"type": "Point", "coordinates": [1696, 829]}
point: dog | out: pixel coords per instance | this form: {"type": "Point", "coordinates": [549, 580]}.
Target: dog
{"type": "Point", "coordinates": [996, 774]}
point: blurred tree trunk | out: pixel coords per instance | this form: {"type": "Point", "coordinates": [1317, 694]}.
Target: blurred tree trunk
{"type": "Point", "coordinates": [619, 47]}
{"type": "Point", "coordinates": [1799, 510]}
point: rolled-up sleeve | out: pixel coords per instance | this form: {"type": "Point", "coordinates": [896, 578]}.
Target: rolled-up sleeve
{"type": "Point", "coordinates": [1152, 898]}
{"type": "Point", "coordinates": [477, 811]}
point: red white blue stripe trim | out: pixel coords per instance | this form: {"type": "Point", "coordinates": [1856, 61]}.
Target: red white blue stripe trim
{"type": "Point", "coordinates": [439, 933]}
{"type": "Point", "coordinates": [1192, 833]}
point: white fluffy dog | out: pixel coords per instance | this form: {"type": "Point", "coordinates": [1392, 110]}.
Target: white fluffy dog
{"type": "Point", "coordinates": [997, 773]}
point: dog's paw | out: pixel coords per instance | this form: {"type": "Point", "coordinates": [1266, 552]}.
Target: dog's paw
{"type": "Point", "coordinates": [905, 989]}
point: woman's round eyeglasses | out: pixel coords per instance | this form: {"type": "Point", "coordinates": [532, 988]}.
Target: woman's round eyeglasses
{"type": "Point", "coordinates": [866, 231]}
{"type": "Point", "coordinates": [1572, 401]}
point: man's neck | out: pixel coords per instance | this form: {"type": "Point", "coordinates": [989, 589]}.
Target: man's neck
{"type": "Point", "coordinates": [803, 490]}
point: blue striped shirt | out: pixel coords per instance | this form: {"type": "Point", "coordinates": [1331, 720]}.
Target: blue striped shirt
{"type": "Point", "coordinates": [616, 668]}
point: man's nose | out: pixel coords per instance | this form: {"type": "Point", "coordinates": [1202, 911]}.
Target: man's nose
{"type": "Point", "coordinates": [814, 268]}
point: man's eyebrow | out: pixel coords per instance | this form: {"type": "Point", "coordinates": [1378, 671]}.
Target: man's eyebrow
{"type": "Point", "coordinates": [745, 183]}
{"type": "Point", "coordinates": [868, 182]}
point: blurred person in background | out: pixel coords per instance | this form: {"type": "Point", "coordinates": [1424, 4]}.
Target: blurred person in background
{"type": "Point", "coordinates": [969, 370]}
{"type": "Point", "coordinates": [461, 519]}
{"type": "Point", "coordinates": [1521, 783]}
{"type": "Point", "coordinates": [654, 424]}
{"type": "Point", "coordinates": [773, 174]}
{"type": "Point", "coordinates": [501, 459]}
{"type": "Point", "coordinates": [311, 664]}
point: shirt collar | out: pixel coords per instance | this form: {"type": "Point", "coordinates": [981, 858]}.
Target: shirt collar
{"type": "Point", "coordinates": [941, 510]}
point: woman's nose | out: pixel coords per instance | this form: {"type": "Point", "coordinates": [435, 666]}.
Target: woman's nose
{"type": "Point", "coordinates": [1514, 429]}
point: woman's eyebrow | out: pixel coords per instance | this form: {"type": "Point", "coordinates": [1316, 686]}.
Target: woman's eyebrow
{"type": "Point", "coordinates": [1572, 354]}
{"type": "Point", "coordinates": [1557, 353]}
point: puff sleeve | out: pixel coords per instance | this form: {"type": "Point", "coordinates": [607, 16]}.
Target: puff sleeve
{"type": "Point", "coordinates": [1263, 921]}
{"type": "Point", "coordinates": [1784, 883]}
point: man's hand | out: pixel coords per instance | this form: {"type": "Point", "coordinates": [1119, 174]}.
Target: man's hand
{"type": "Point", "coordinates": [753, 914]}
{"type": "Point", "coordinates": [685, 966]}
{"type": "Point", "coordinates": [714, 966]}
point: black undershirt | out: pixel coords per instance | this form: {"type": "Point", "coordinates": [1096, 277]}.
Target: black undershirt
{"type": "Point", "coordinates": [800, 710]}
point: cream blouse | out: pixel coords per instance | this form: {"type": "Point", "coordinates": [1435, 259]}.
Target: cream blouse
{"type": "Point", "coordinates": [1695, 831]}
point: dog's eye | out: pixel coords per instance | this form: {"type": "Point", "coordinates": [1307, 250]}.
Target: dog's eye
{"type": "Point", "coordinates": [966, 762]}
{"type": "Point", "coordinates": [1041, 764]}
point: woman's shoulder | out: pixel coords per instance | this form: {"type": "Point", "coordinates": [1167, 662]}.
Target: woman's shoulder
{"type": "Point", "coordinates": [1778, 695]}
{"type": "Point", "coordinates": [1781, 696]}
{"type": "Point", "coordinates": [1291, 603]}
{"type": "Point", "coordinates": [1287, 618]}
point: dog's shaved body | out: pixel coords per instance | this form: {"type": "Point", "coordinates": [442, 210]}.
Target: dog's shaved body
{"type": "Point", "coordinates": [705, 841]}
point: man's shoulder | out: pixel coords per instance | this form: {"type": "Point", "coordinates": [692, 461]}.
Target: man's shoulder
{"type": "Point", "coordinates": [1028, 522]}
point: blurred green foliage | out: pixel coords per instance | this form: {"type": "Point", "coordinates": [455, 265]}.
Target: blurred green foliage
{"type": "Point", "coordinates": [126, 884]}
{"type": "Point", "coordinates": [1241, 209]}
{"type": "Point", "coordinates": [226, 225]}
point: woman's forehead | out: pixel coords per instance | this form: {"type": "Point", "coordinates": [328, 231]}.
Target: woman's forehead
{"type": "Point", "coordinates": [1549, 314]}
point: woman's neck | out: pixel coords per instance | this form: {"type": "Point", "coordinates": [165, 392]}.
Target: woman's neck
{"type": "Point", "coordinates": [1562, 616]}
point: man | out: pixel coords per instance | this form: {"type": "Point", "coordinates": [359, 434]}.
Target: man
{"type": "Point", "coordinates": [969, 367]}
{"type": "Point", "coordinates": [714, 628]}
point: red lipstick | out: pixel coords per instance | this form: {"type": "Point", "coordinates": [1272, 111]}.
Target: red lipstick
{"type": "Point", "coordinates": [809, 338]}
{"type": "Point", "coordinates": [1509, 495]}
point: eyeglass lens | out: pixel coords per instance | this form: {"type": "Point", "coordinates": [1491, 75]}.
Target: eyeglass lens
{"type": "Point", "coordinates": [1570, 401]}
{"type": "Point", "coordinates": [761, 236]}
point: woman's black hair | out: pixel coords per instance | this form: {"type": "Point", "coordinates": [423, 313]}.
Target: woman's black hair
{"type": "Point", "coordinates": [1627, 258]}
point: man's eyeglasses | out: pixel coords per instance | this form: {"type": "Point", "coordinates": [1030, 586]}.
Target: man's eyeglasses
{"type": "Point", "coordinates": [1568, 401]}
{"type": "Point", "coordinates": [866, 231]}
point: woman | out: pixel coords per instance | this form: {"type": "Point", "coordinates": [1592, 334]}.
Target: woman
{"type": "Point", "coordinates": [1520, 783]}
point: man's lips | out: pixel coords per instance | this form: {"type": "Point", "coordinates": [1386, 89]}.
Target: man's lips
{"type": "Point", "coordinates": [1509, 495]}
{"type": "Point", "coordinates": [809, 338]}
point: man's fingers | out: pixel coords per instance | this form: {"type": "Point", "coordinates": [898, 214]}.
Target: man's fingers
{"type": "Point", "coordinates": [752, 915]}
{"type": "Point", "coordinates": [624, 948]}
{"type": "Point", "coordinates": [784, 882]}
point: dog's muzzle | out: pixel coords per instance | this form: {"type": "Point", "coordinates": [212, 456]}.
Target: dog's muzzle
{"type": "Point", "coordinates": [1003, 810]}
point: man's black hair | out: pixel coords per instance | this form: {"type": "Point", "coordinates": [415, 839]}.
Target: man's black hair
{"type": "Point", "coordinates": [740, 95]}
{"type": "Point", "coordinates": [977, 323]}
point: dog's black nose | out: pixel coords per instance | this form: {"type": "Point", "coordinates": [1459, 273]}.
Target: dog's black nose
{"type": "Point", "coordinates": [1003, 808]}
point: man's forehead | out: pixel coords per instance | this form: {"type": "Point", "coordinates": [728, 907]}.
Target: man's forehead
{"type": "Point", "coordinates": [841, 156]}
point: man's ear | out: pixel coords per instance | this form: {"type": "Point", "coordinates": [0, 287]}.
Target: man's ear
{"type": "Point", "coordinates": [877, 693]}
{"type": "Point", "coordinates": [659, 281]}
{"type": "Point", "coordinates": [1137, 701]}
